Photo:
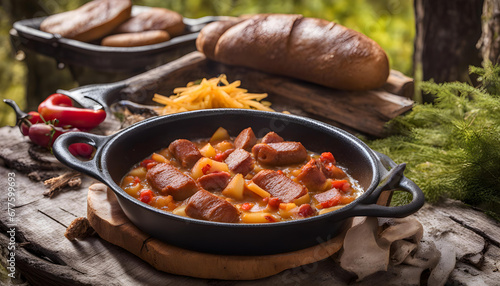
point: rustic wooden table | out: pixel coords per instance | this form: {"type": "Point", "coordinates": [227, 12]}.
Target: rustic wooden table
{"type": "Point", "coordinates": [43, 256]}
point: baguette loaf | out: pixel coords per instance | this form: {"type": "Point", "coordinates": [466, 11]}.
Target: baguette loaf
{"type": "Point", "coordinates": [309, 49]}
{"type": "Point", "coordinates": [89, 22]}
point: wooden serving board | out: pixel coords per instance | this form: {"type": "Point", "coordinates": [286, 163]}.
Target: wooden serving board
{"type": "Point", "coordinates": [109, 221]}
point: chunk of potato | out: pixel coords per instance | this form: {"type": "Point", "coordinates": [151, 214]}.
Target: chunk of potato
{"type": "Point", "coordinates": [139, 172]}
{"type": "Point", "coordinates": [219, 135]}
{"type": "Point", "coordinates": [224, 145]}
{"type": "Point", "coordinates": [286, 210]}
{"type": "Point", "coordinates": [133, 190]}
{"type": "Point", "coordinates": [235, 187]}
{"type": "Point", "coordinates": [159, 158]}
{"type": "Point", "coordinates": [162, 201]}
{"type": "Point", "coordinates": [260, 217]}
{"type": "Point", "coordinates": [303, 200]}
{"type": "Point", "coordinates": [180, 210]}
{"type": "Point", "coordinates": [215, 166]}
{"type": "Point", "coordinates": [257, 190]}
{"type": "Point", "coordinates": [208, 151]}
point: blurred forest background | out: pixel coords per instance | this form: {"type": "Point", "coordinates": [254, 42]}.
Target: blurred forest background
{"type": "Point", "coordinates": [389, 22]}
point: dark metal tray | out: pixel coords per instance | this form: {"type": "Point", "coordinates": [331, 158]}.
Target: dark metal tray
{"type": "Point", "coordinates": [27, 35]}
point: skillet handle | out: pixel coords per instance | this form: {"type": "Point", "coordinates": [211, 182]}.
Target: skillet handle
{"type": "Point", "coordinates": [90, 167]}
{"type": "Point", "coordinates": [394, 179]}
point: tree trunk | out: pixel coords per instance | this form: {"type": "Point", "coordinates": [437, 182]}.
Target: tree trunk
{"type": "Point", "coordinates": [489, 43]}
{"type": "Point", "coordinates": [446, 37]}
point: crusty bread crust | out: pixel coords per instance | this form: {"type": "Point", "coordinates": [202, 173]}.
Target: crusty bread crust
{"type": "Point", "coordinates": [135, 39]}
{"type": "Point", "coordinates": [89, 22]}
{"type": "Point", "coordinates": [310, 49]}
{"type": "Point", "coordinates": [154, 19]}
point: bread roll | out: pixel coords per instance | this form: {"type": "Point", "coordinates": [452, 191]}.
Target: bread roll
{"type": "Point", "coordinates": [154, 19]}
{"type": "Point", "coordinates": [135, 39]}
{"type": "Point", "coordinates": [310, 49]}
{"type": "Point", "coordinates": [89, 22]}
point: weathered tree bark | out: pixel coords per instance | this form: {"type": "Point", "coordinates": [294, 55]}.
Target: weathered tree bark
{"type": "Point", "coordinates": [489, 43]}
{"type": "Point", "coordinates": [445, 40]}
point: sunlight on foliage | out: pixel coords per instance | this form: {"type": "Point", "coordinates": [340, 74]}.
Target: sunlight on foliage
{"type": "Point", "coordinates": [452, 147]}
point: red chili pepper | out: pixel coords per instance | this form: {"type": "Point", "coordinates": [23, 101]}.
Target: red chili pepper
{"type": "Point", "coordinates": [59, 106]}
{"type": "Point", "coordinates": [246, 206]}
{"type": "Point", "coordinates": [44, 134]}
{"type": "Point", "coordinates": [81, 149]}
{"type": "Point", "coordinates": [146, 196]}
{"type": "Point", "coordinates": [33, 118]}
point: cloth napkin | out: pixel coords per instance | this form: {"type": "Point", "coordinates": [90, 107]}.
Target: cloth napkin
{"type": "Point", "coordinates": [394, 245]}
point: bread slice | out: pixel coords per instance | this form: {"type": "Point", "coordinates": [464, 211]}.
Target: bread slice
{"type": "Point", "coordinates": [89, 22]}
{"type": "Point", "coordinates": [154, 19]}
{"type": "Point", "coordinates": [135, 39]}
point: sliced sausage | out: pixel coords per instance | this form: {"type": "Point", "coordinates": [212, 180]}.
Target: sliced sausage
{"type": "Point", "coordinates": [185, 152]}
{"type": "Point", "coordinates": [245, 140]}
{"type": "Point", "coordinates": [169, 180]}
{"type": "Point", "coordinates": [279, 154]}
{"type": "Point", "coordinates": [272, 137]}
{"type": "Point", "coordinates": [214, 181]}
{"type": "Point", "coordinates": [207, 206]}
{"type": "Point", "coordinates": [312, 176]}
{"type": "Point", "coordinates": [240, 161]}
{"type": "Point", "coordinates": [279, 185]}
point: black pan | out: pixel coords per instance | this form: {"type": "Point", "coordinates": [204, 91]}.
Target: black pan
{"type": "Point", "coordinates": [117, 153]}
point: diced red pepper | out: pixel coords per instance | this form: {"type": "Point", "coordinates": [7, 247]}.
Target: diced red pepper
{"type": "Point", "coordinates": [280, 172]}
{"type": "Point", "coordinates": [146, 196]}
{"type": "Point", "coordinates": [342, 185]}
{"type": "Point", "coordinates": [137, 180]}
{"type": "Point", "coordinates": [148, 163]}
{"type": "Point", "coordinates": [247, 206]}
{"type": "Point", "coordinates": [60, 107]}
{"type": "Point", "coordinates": [205, 169]}
{"type": "Point", "coordinates": [219, 157]}
{"type": "Point", "coordinates": [327, 158]}
{"type": "Point", "coordinates": [306, 210]}
{"type": "Point", "coordinates": [274, 203]}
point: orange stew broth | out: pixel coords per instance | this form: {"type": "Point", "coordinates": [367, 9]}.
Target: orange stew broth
{"type": "Point", "coordinates": [254, 207]}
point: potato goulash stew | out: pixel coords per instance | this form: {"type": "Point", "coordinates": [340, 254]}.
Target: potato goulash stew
{"type": "Point", "coordinates": [241, 180]}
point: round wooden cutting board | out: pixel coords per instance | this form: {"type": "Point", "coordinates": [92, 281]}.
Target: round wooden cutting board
{"type": "Point", "coordinates": [109, 221]}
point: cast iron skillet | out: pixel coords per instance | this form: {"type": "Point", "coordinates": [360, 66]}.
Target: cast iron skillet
{"type": "Point", "coordinates": [116, 154]}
